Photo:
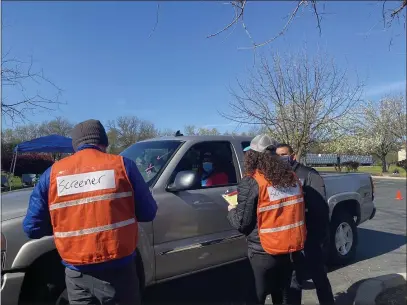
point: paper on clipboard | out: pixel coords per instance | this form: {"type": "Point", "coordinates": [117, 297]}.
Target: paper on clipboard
{"type": "Point", "coordinates": [231, 198]}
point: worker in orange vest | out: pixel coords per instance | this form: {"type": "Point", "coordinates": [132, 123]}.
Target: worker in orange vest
{"type": "Point", "coordinates": [271, 213]}
{"type": "Point", "coordinates": [91, 203]}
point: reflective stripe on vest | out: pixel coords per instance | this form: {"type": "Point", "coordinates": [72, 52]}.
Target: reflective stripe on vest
{"type": "Point", "coordinates": [89, 200]}
{"type": "Point", "coordinates": [96, 229]}
{"type": "Point", "coordinates": [281, 217]}
{"type": "Point", "coordinates": [92, 208]}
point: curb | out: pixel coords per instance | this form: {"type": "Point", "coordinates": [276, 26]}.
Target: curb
{"type": "Point", "coordinates": [371, 288]}
{"type": "Point", "coordinates": [390, 178]}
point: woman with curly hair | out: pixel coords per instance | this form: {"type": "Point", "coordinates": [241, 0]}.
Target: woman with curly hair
{"type": "Point", "coordinates": [270, 212]}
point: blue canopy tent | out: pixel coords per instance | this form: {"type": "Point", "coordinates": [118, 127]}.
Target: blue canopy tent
{"type": "Point", "coordinates": [48, 144]}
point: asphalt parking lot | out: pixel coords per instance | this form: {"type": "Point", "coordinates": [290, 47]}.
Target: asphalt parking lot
{"type": "Point", "coordinates": [381, 250]}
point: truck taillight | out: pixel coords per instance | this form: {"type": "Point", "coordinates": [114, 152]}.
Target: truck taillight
{"type": "Point", "coordinates": [3, 251]}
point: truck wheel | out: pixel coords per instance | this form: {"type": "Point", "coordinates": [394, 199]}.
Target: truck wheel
{"type": "Point", "coordinates": [343, 238]}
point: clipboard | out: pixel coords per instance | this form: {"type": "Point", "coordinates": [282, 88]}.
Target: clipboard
{"type": "Point", "coordinates": [231, 198]}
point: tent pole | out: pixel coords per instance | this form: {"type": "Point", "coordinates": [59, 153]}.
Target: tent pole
{"type": "Point", "coordinates": [14, 166]}
{"type": "Point", "coordinates": [11, 169]}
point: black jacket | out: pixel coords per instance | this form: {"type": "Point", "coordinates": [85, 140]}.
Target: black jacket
{"type": "Point", "coordinates": [244, 216]}
{"type": "Point", "coordinates": [317, 209]}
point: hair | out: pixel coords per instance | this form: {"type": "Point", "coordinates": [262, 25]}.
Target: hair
{"type": "Point", "coordinates": [290, 149]}
{"type": "Point", "coordinates": [278, 172]}
{"type": "Point", "coordinates": [251, 160]}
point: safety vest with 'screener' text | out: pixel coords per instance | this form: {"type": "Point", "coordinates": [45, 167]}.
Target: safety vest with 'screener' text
{"type": "Point", "coordinates": [280, 217]}
{"type": "Point", "coordinates": [91, 203]}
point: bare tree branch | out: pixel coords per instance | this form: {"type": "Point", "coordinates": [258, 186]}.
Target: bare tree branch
{"type": "Point", "coordinates": [397, 11]}
{"type": "Point", "coordinates": [15, 78]}
{"type": "Point", "coordinates": [156, 21]}
{"type": "Point", "coordinates": [239, 6]}
{"type": "Point", "coordinates": [300, 100]}
{"type": "Point", "coordinates": [127, 130]}
{"type": "Point", "coordinates": [285, 28]}
{"type": "Point", "coordinates": [388, 16]}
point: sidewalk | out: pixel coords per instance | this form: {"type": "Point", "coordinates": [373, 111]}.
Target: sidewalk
{"type": "Point", "coordinates": [389, 177]}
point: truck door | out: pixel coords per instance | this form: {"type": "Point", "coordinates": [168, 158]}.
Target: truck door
{"type": "Point", "coordinates": [191, 230]}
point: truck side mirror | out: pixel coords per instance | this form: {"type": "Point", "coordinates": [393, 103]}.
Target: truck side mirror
{"type": "Point", "coordinates": [185, 180]}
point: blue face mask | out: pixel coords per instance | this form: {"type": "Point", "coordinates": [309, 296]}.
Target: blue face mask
{"type": "Point", "coordinates": [207, 166]}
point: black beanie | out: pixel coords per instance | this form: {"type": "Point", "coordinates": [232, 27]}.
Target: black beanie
{"type": "Point", "coordinates": [89, 132]}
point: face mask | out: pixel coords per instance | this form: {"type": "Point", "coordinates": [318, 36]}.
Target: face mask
{"type": "Point", "coordinates": [207, 166]}
{"type": "Point", "coordinates": [286, 159]}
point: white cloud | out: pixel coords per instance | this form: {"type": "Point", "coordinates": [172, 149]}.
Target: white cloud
{"type": "Point", "coordinates": [383, 89]}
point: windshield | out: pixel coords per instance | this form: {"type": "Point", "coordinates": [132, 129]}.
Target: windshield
{"type": "Point", "coordinates": [151, 157]}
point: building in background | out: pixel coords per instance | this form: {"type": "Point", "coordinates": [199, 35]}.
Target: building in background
{"type": "Point", "coordinates": [401, 155]}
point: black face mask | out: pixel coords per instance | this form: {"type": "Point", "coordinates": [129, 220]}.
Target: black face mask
{"type": "Point", "coordinates": [288, 159]}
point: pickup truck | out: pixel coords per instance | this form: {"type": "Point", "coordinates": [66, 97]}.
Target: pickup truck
{"type": "Point", "coordinates": [190, 232]}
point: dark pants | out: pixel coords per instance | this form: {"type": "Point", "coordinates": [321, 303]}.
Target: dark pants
{"type": "Point", "coordinates": [315, 268]}
{"type": "Point", "coordinates": [272, 275]}
{"type": "Point", "coordinates": [108, 286]}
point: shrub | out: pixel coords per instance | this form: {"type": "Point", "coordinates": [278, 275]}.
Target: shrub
{"type": "Point", "coordinates": [402, 164]}
{"type": "Point", "coordinates": [351, 166]}
{"type": "Point", "coordinates": [27, 163]}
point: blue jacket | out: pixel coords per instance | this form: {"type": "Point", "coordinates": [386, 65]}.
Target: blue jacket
{"type": "Point", "coordinates": [37, 222]}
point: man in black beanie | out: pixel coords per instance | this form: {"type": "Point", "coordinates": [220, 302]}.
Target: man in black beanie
{"type": "Point", "coordinates": [91, 203]}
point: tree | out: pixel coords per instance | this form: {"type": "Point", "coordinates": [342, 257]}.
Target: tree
{"type": "Point", "coordinates": [297, 99]}
{"type": "Point", "coordinates": [59, 126]}
{"type": "Point", "coordinates": [127, 130]}
{"type": "Point", "coordinates": [191, 130]}
{"type": "Point", "coordinates": [166, 132]}
{"type": "Point", "coordinates": [393, 118]}
{"type": "Point", "coordinates": [27, 132]}
{"type": "Point", "coordinates": [15, 77]}
{"type": "Point", "coordinates": [317, 8]}
{"type": "Point", "coordinates": [371, 133]}
{"type": "Point", "coordinates": [375, 122]}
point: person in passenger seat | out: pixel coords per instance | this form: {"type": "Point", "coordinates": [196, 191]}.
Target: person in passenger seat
{"type": "Point", "coordinates": [213, 173]}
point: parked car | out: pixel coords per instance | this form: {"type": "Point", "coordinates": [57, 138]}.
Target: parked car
{"type": "Point", "coordinates": [4, 181]}
{"type": "Point", "coordinates": [190, 233]}
{"type": "Point", "coordinates": [28, 179]}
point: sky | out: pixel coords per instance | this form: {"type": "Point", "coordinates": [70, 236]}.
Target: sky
{"type": "Point", "coordinates": [109, 63]}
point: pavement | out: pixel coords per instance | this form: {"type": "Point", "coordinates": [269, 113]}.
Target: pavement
{"type": "Point", "coordinates": [370, 289]}
{"type": "Point", "coordinates": [381, 250]}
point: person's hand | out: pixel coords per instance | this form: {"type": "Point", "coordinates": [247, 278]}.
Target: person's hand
{"type": "Point", "coordinates": [230, 207]}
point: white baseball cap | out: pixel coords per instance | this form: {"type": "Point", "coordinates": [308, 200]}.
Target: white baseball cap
{"type": "Point", "coordinates": [261, 142]}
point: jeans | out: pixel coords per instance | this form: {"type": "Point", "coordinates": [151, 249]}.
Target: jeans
{"type": "Point", "coordinates": [272, 275]}
{"type": "Point", "coordinates": [315, 267]}
{"type": "Point", "coordinates": [107, 286]}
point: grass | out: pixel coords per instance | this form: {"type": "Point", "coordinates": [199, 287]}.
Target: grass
{"type": "Point", "coordinates": [373, 170]}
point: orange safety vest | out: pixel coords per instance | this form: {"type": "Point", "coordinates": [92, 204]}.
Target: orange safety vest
{"type": "Point", "coordinates": [280, 217]}
{"type": "Point", "coordinates": [92, 208]}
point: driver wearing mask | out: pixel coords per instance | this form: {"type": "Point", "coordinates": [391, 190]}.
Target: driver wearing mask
{"type": "Point", "coordinates": [212, 174]}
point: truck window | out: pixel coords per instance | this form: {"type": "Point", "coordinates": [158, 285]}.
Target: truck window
{"type": "Point", "coordinates": [213, 161]}
{"type": "Point", "coordinates": [151, 157]}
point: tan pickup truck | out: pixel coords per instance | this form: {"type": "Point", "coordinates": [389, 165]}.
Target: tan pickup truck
{"type": "Point", "coordinates": [190, 233]}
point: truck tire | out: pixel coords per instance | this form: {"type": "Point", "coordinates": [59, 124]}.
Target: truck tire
{"type": "Point", "coordinates": [343, 238]}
